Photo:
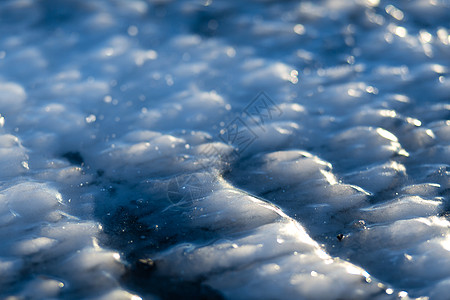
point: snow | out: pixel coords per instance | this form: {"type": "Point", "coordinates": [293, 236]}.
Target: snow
{"type": "Point", "coordinates": [158, 149]}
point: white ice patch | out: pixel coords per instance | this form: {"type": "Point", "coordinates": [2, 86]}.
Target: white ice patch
{"type": "Point", "coordinates": [12, 97]}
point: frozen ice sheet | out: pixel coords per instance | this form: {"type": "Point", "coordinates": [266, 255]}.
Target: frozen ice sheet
{"type": "Point", "coordinates": [158, 149]}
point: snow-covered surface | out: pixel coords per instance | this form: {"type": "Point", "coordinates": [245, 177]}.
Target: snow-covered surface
{"type": "Point", "coordinates": [224, 149]}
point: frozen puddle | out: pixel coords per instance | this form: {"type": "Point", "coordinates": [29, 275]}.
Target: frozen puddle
{"type": "Point", "coordinates": [224, 150]}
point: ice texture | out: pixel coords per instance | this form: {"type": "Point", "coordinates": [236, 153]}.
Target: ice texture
{"type": "Point", "coordinates": [159, 149]}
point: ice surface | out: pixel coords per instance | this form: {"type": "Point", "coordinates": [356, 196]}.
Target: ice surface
{"type": "Point", "coordinates": [157, 149]}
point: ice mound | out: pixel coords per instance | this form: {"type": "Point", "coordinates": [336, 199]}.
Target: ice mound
{"type": "Point", "coordinates": [302, 179]}
{"type": "Point", "coordinates": [14, 158]}
{"type": "Point", "coordinates": [257, 239]}
{"type": "Point", "coordinates": [27, 201]}
{"type": "Point", "coordinates": [224, 150]}
{"type": "Point", "coordinates": [35, 228]}
{"type": "Point", "coordinates": [13, 97]}
{"type": "Point", "coordinates": [368, 145]}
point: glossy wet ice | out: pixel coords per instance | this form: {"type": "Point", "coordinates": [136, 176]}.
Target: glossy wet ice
{"type": "Point", "coordinates": [256, 150]}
